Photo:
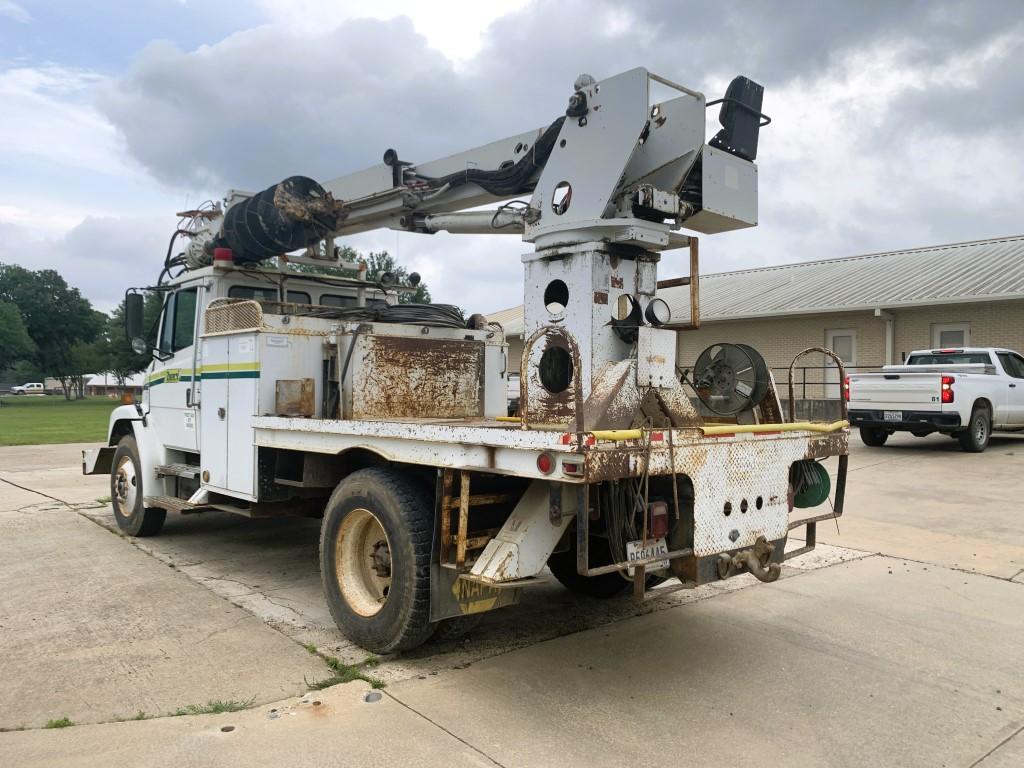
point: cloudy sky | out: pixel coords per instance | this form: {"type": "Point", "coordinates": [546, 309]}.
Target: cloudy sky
{"type": "Point", "coordinates": [896, 124]}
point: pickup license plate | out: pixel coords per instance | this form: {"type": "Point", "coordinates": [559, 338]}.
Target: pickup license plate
{"type": "Point", "coordinates": [892, 415]}
{"type": "Point", "coordinates": [641, 550]}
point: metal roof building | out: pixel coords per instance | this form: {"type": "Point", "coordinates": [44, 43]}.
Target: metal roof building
{"type": "Point", "coordinates": [872, 309]}
{"type": "Point", "coordinates": [982, 270]}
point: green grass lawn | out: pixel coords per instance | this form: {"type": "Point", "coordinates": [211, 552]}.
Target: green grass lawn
{"type": "Point", "coordinates": [34, 419]}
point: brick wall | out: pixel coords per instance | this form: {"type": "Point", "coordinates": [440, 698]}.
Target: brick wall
{"type": "Point", "coordinates": [993, 324]}
{"type": "Point", "coordinates": [780, 339]}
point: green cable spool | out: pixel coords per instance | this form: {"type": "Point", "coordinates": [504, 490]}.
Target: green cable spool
{"type": "Point", "coordinates": [814, 485]}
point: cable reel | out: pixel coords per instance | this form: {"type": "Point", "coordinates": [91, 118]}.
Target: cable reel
{"type": "Point", "coordinates": [730, 378]}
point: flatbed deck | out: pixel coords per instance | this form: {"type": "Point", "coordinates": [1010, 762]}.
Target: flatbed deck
{"type": "Point", "coordinates": [504, 447]}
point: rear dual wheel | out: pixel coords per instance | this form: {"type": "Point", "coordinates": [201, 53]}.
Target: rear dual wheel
{"type": "Point", "coordinates": [607, 585]}
{"type": "Point", "coordinates": [375, 547]}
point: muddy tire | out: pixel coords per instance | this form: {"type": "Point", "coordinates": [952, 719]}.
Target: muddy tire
{"type": "Point", "coordinates": [874, 437]}
{"type": "Point", "coordinates": [456, 627]}
{"type": "Point", "coordinates": [974, 439]}
{"type": "Point", "coordinates": [126, 493]}
{"type": "Point", "coordinates": [605, 586]}
{"type": "Point", "coordinates": [375, 544]}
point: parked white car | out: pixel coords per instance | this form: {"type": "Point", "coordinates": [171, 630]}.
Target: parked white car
{"type": "Point", "coordinates": [966, 393]}
{"type": "Point", "coordinates": [32, 388]}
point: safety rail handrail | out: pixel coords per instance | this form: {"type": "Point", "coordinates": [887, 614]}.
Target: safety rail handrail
{"type": "Point", "coordinates": [842, 378]}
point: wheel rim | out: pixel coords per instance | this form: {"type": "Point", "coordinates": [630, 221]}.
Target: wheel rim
{"type": "Point", "coordinates": [980, 429]}
{"type": "Point", "coordinates": [126, 486]}
{"type": "Point", "coordinates": [362, 562]}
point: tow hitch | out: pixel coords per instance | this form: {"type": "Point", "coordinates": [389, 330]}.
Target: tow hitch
{"type": "Point", "coordinates": [756, 560]}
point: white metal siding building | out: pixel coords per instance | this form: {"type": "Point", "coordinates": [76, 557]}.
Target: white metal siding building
{"type": "Point", "coordinates": [872, 309]}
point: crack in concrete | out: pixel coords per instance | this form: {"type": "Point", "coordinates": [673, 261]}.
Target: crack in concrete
{"type": "Point", "coordinates": [33, 490]}
{"type": "Point", "coordinates": [442, 728]}
{"type": "Point", "coordinates": [1002, 743]}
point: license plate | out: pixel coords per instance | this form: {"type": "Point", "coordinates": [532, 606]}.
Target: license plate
{"type": "Point", "coordinates": [641, 550]}
{"type": "Point", "coordinates": [892, 415]}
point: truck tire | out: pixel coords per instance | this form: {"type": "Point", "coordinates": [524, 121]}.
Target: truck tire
{"type": "Point", "coordinates": [974, 439]}
{"type": "Point", "coordinates": [873, 436]}
{"type": "Point", "coordinates": [607, 585]}
{"type": "Point", "coordinates": [126, 493]}
{"type": "Point", "coordinates": [375, 547]}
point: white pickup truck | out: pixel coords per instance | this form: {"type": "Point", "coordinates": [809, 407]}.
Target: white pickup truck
{"type": "Point", "coordinates": [32, 388]}
{"type": "Point", "coordinates": [965, 393]}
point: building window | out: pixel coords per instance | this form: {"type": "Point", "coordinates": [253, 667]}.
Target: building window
{"type": "Point", "coordinates": [951, 335]}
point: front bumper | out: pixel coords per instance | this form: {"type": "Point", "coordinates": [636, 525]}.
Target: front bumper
{"type": "Point", "coordinates": [913, 421]}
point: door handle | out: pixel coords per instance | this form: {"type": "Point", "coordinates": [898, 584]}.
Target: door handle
{"type": "Point", "coordinates": [1012, 386]}
{"type": "Point", "coordinates": [188, 397]}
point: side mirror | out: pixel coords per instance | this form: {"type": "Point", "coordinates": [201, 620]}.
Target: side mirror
{"type": "Point", "coordinates": [134, 304]}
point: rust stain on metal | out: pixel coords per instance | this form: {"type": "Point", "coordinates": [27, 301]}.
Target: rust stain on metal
{"type": "Point", "coordinates": [538, 404]}
{"type": "Point", "coordinates": [600, 297]}
{"type": "Point", "coordinates": [294, 398]}
{"type": "Point", "coordinates": [828, 444]}
{"type": "Point", "coordinates": [614, 401]}
{"type": "Point", "coordinates": [402, 376]}
{"type": "Point", "coordinates": [616, 281]}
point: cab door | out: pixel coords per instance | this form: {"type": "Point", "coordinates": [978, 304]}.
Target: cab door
{"type": "Point", "coordinates": [173, 378]}
{"type": "Point", "coordinates": [1013, 366]}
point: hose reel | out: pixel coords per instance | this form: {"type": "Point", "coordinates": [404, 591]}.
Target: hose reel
{"type": "Point", "coordinates": [730, 378]}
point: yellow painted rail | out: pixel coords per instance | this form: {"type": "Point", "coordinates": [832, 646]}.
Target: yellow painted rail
{"type": "Point", "coordinates": [717, 429]}
{"type": "Point", "coordinates": [796, 426]}
{"type": "Point", "coordinates": [731, 429]}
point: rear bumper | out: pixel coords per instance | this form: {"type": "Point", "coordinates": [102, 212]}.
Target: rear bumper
{"type": "Point", "coordinates": [913, 421]}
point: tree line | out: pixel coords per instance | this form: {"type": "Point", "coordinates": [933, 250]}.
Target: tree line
{"type": "Point", "coordinates": [49, 330]}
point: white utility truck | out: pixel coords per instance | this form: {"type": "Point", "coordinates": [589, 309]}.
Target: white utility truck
{"type": "Point", "coordinates": [966, 393]}
{"type": "Point", "coordinates": [279, 386]}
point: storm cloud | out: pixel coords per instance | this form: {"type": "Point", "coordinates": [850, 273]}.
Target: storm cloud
{"type": "Point", "coordinates": [895, 124]}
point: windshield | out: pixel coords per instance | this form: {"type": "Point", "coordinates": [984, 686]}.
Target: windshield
{"type": "Point", "coordinates": [950, 358]}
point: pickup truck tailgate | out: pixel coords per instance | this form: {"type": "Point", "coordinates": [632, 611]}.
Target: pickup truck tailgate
{"type": "Point", "coordinates": [920, 390]}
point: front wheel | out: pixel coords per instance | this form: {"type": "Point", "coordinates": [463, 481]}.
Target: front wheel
{"type": "Point", "coordinates": [126, 493]}
{"type": "Point", "coordinates": [873, 436]}
{"type": "Point", "coordinates": [375, 546]}
{"type": "Point", "coordinates": [974, 439]}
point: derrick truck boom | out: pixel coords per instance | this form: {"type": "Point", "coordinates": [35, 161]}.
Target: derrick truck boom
{"type": "Point", "coordinates": [278, 389]}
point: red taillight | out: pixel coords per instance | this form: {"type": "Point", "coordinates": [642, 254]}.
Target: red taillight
{"type": "Point", "coordinates": [947, 389]}
{"type": "Point", "coordinates": [846, 388]}
{"type": "Point", "coordinates": [545, 464]}
{"type": "Point", "coordinates": [572, 468]}
{"type": "Point", "coordinates": [658, 511]}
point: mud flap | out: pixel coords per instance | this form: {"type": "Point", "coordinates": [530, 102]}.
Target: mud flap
{"type": "Point", "coordinates": [451, 595]}
{"type": "Point", "coordinates": [98, 461]}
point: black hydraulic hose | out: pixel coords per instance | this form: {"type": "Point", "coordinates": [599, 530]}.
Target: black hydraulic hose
{"type": "Point", "coordinates": [513, 179]}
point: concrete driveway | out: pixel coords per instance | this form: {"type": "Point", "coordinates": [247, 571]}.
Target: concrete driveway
{"type": "Point", "coordinates": [897, 645]}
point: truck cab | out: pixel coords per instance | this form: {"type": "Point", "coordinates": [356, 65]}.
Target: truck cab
{"type": "Point", "coordinates": [174, 381]}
